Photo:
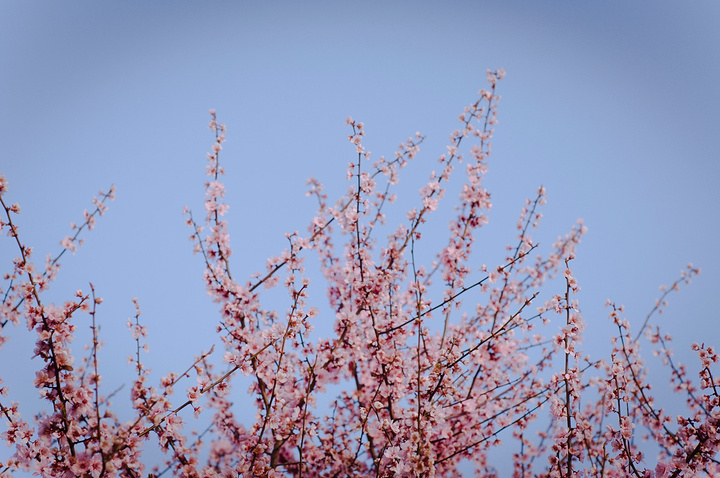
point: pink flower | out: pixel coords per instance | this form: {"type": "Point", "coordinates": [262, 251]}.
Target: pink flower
{"type": "Point", "coordinates": [661, 470]}
{"type": "Point", "coordinates": [68, 244]}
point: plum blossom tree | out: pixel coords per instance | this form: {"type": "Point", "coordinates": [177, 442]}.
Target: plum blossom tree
{"type": "Point", "coordinates": [435, 363]}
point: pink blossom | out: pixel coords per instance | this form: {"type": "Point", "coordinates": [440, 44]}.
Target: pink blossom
{"type": "Point", "coordinates": [426, 364]}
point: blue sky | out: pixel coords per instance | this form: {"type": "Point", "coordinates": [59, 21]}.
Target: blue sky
{"type": "Point", "coordinates": [612, 106]}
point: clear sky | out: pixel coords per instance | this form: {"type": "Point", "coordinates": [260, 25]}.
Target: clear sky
{"type": "Point", "coordinates": [612, 106]}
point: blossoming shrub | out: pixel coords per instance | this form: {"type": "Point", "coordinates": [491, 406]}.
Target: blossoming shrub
{"type": "Point", "coordinates": [429, 381]}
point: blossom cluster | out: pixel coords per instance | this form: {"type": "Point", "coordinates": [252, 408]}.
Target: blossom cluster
{"type": "Point", "coordinates": [436, 364]}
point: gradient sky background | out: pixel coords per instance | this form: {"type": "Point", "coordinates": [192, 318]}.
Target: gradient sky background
{"type": "Point", "coordinates": [612, 106]}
